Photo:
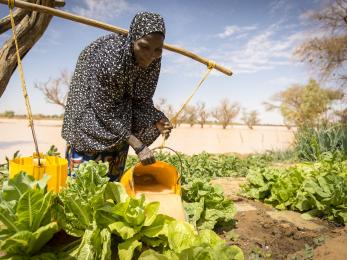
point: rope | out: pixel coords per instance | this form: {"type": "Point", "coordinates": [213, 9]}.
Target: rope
{"type": "Point", "coordinates": [22, 80]}
{"type": "Point", "coordinates": [210, 66]}
{"type": "Point", "coordinates": [11, 4]}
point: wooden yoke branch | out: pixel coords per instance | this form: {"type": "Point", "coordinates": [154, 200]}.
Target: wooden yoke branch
{"type": "Point", "coordinates": [66, 15]}
{"type": "Point", "coordinates": [30, 26]}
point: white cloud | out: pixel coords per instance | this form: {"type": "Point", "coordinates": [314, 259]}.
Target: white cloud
{"type": "Point", "coordinates": [263, 51]}
{"type": "Point", "coordinates": [229, 30]}
{"type": "Point", "coordinates": [280, 81]}
{"type": "Point", "coordinates": [305, 17]}
{"type": "Point", "coordinates": [277, 6]}
{"type": "Point", "coordinates": [103, 9]}
{"type": "Point", "coordinates": [232, 29]}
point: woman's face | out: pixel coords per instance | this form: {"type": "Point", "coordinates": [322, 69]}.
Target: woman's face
{"type": "Point", "coordinates": [148, 48]}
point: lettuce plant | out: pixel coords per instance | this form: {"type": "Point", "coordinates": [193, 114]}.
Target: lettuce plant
{"type": "Point", "coordinates": [25, 210]}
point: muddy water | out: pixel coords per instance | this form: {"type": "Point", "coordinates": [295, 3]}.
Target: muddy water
{"type": "Point", "coordinates": [170, 203]}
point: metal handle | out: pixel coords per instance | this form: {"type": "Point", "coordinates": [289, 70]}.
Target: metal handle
{"type": "Point", "coordinates": [179, 158]}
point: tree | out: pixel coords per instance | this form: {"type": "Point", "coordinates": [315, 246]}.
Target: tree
{"type": "Point", "coordinates": [305, 104]}
{"type": "Point", "coordinates": [9, 114]}
{"type": "Point", "coordinates": [190, 115]}
{"type": "Point", "coordinates": [202, 114]}
{"type": "Point", "coordinates": [181, 118]}
{"type": "Point", "coordinates": [55, 90]}
{"type": "Point", "coordinates": [327, 54]}
{"type": "Point", "coordinates": [165, 107]}
{"type": "Point", "coordinates": [226, 112]}
{"type": "Point", "coordinates": [251, 118]}
{"type": "Point", "coordinates": [160, 104]}
{"type": "Point", "coordinates": [30, 26]}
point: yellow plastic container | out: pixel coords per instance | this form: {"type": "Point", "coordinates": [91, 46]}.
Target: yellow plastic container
{"type": "Point", "coordinates": [53, 166]}
{"type": "Point", "coordinates": [158, 182]}
{"type": "Point", "coordinates": [163, 174]}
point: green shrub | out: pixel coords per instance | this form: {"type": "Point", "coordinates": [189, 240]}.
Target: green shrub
{"type": "Point", "coordinates": [9, 114]}
{"type": "Point", "coordinates": [311, 143]}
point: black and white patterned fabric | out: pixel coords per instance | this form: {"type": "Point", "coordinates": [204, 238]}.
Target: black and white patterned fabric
{"type": "Point", "coordinates": [110, 97]}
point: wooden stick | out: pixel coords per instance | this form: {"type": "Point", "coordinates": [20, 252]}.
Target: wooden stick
{"type": "Point", "coordinates": [108, 27]}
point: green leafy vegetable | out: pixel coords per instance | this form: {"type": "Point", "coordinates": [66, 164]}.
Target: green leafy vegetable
{"type": "Point", "coordinates": [316, 189]}
{"type": "Point", "coordinates": [206, 206]}
{"type": "Point", "coordinates": [25, 210]}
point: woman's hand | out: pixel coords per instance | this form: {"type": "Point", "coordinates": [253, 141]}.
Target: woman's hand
{"type": "Point", "coordinates": [146, 156]}
{"type": "Point", "coordinates": [164, 126]}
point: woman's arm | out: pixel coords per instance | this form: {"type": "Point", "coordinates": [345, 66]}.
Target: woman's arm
{"type": "Point", "coordinates": [145, 155]}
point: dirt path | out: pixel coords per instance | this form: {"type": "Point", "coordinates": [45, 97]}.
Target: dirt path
{"type": "Point", "coordinates": [265, 233]}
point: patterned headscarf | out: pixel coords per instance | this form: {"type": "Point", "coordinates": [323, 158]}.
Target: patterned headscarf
{"type": "Point", "coordinates": [145, 23]}
{"type": "Point", "coordinates": [142, 24]}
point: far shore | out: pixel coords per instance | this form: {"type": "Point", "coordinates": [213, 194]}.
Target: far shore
{"type": "Point", "coordinates": [16, 135]}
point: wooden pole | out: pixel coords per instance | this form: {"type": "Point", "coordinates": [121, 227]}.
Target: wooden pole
{"type": "Point", "coordinates": [108, 27]}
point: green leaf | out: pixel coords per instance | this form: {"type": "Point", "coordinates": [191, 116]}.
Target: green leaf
{"type": "Point", "coordinates": [207, 236]}
{"type": "Point", "coordinates": [29, 210]}
{"type": "Point", "coordinates": [106, 244]}
{"type": "Point", "coordinates": [27, 243]}
{"type": "Point", "coordinates": [126, 249]}
{"type": "Point", "coordinates": [206, 205]}
{"type": "Point", "coordinates": [122, 229]}
{"type": "Point", "coordinates": [181, 235]}
{"type": "Point", "coordinates": [116, 192]}
{"type": "Point", "coordinates": [17, 244]}
{"type": "Point", "coordinates": [153, 255]}
{"type": "Point", "coordinates": [41, 236]}
{"type": "Point", "coordinates": [68, 222]}
{"type": "Point", "coordinates": [104, 216]}
{"type": "Point", "coordinates": [198, 253]}
{"type": "Point", "coordinates": [158, 227]}
{"type": "Point", "coordinates": [210, 218]}
{"type": "Point", "coordinates": [225, 252]}
{"type": "Point", "coordinates": [80, 209]}
{"type": "Point", "coordinates": [135, 212]}
{"type": "Point", "coordinates": [151, 212]}
{"type": "Point", "coordinates": [87, 250]}
{"type": "Point", "coordinates": [45, 207]}
{"type": "Point", "coordinates": [8, 218]}
{"type": "Point", "coordinates": [42, 183]}
{"type": "Point", "coordinates": [205, 252]}
{"type": "Point", "coordinates": [15, 187]}
{"type": "Point", "coordinates": [194, 210]}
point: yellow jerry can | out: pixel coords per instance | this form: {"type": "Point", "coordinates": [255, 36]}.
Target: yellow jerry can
{"type": "Point", "coordinates": [53, 166]}
{"type": "Point", "coordinates": [159, 181]}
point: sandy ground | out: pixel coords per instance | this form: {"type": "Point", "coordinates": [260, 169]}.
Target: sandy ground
{"type": "Point", "coordinates": [16, 135]}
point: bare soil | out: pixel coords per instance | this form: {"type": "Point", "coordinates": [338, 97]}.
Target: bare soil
{"type": "Point", "coordinates": [262, 236]}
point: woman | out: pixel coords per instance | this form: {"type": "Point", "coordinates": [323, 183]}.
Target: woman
{"type": "Point", "coordinates": [109, 105]}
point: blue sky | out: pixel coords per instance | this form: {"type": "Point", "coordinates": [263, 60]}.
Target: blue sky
{"type": "Point", "coordinates": [255, 38]}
